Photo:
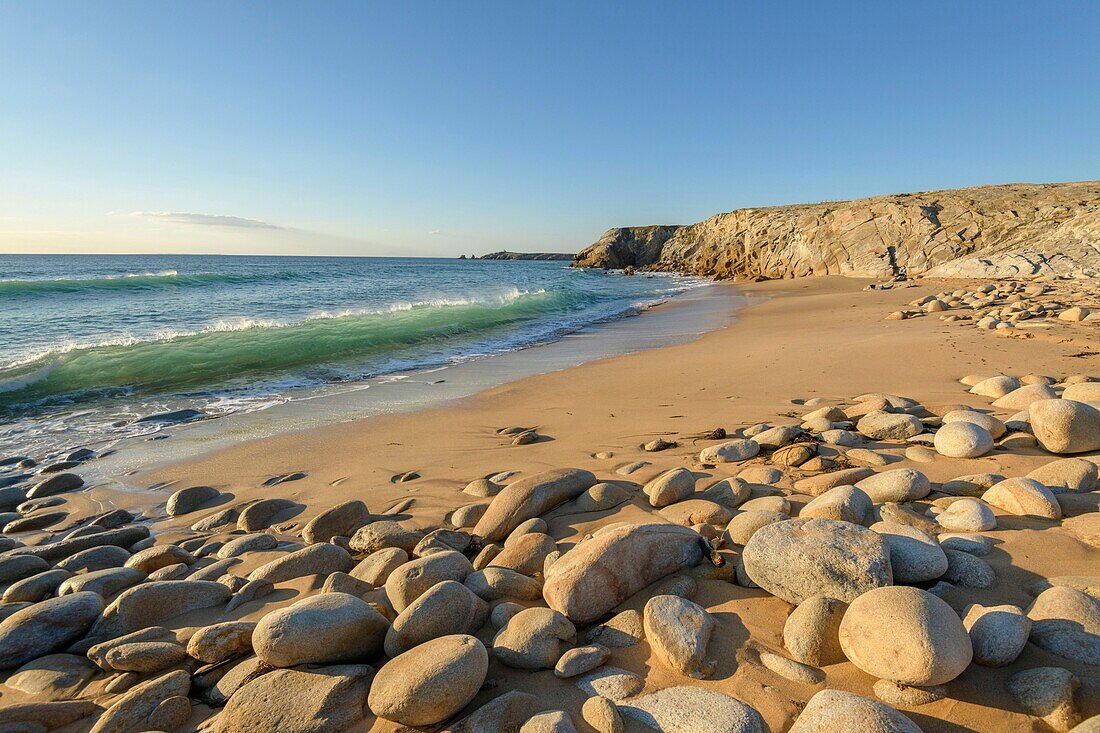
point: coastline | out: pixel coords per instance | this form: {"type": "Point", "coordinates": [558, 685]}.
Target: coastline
{"type": "Point", "coordinates": [704, 308]}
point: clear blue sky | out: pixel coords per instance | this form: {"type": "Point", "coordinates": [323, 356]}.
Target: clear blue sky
{"type": "Point", "coordinates": [448, 127]}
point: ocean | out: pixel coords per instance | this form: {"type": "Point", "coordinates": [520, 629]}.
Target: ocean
{"type": "Point", "coordinates": [92, 347]}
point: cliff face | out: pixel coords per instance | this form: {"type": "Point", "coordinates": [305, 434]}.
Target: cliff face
{"type": "Point", "coordinates": [987, 231]}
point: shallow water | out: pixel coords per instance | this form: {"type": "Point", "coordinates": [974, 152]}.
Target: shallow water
{"type": "Point", "coordinates": [90, 344]}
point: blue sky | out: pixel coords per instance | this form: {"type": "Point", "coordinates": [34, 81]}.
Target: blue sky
{"type": "Point", "coordinates": [442, 127]}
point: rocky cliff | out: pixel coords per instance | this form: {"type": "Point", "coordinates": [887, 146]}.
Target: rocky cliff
{"type": "Point", "coordinates": [987, 231]}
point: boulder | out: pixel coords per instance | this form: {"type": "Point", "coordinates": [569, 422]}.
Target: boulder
{"type": "Point", "coordinates": [95, 558]}
{"type": "Point", "coordinates": [159, 556]}
{"type": "Point", "coordinates": [817, 485]}
{"type": "Point", "coordinates": [257, 542]}
{"type": "Point", "coordinates": [1065, 426]}
{"type": "Point", "coordinates": [158, 704]}
{"type": "Point", "coordinates": [678, 631]}
{"type": "Point", "coordinates": [602, 715]}
{"type": "Point", "coordinates": [45, 627]}
{"type": "Point", "coordinates": [792, 670]}
{"type": "Point", "coordinates": [1047, 693]}
{"type": "Point", "coordinates": [40, 716]}
{"type": "Point", "coordinates": [324, 629]}
{"type": "Point", "coordinates": [830, 711]}
{"type": "Point", "coordinates": [967, 515]}
{"type": "Point", "coordinates": [670, 487]}
{"type": "Point", "coordinates": [617, 562]}
{"type": "Point", "coordinates": [997, 633]}
{"type": "Point", "coordinates": [321, 700]}
{"type": "Point", "coordinates": [531, 497]}
{"type": "Point", "coordinates": [52, 677]}
{"type": "Point", "coordinates": [18, 567]}
{"type": "Point", "coordinates": [526, 554]}
{"type": "Point", "coordinates": [446, 609]}
{"type": "Point", "coordinates": [495, 584]}
{"type": "Point", "coordinates": [968, 571]}
{"type": "Point", "coordinates": [880, 425]}
{"type": "Point", "coordinates": [900, 485]}
{"type": "Point", "coordinates": [962, 439]}
{"type": "Point", "coordinates": [534, 638]}
{"type": "Point", "coordinates": [190, 499]}
{"type": "Point", "coordinates": [690, 709]}
{"type": "Point", "coordinates": [1067, 475]}
{"type": "Point", "coordinates": [319, 559]}
{"type": "Point", "coordinates": [1066, 622]}
{"type": "Point", "coordinates": [611, 682]}
{"type": "Point", "coordinates": [58, 483]}
{"type": "Point", "coordinates": [993, 426]}
{"type": "Point", "coordinates": [1023, 496]}
{"type": "Point", "coordinates": [906, 635]}
{"type": "Point", "coordinates": [219, 642]}
{"type": "Point", "coordinates": [430, 683]}
{"type": "Point", "coordinates": [779, 436]}
{"type": "Point", "coordinates": [262, 514]}
{"type": "Point", "coordinates": [55, 551]}
{"type": "Point", "coordinates": [732, 492]}
{"type": "Point", "coordinates": [382, 534]}
{"type": "Point", "coordinates": [153, 602]}
{"type": "Point", "coordinates": [915, 557]}
{"type": "Point", "coordinates": [1022, 397]}
{"type": "Point", "coordinates": [741, 449]}
{"type": "Point", "coordinates": [843, 504]}
{"type": "Point", "coordinates": [580, 660]}
{"type": "Point", "coordinates": [145, 657]}
{"type": "Point", "coordinates": [377, 566]}
{"type": "Point", "coordinates": [811, 632]}
{"type": "Point", "coordinates": [601, 497]}
{"type": "Point", "coordinates": [691, 512]}
{"type": "Point", "coordinates": [341, 520]}
{"type": "Point", "coordinates": [801, 558]}
{"type": "Point", "coordinates": [1082, 391]}
{"type": "Point", "coordinates": [408, 582]}
{"type": "Point", "coordinates": [745, 524]}
{"type": "Point", "coordinates": [995, 387]}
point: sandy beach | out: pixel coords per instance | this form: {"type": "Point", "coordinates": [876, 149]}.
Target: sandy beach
{"type": "Point", "coordinates": [797, 346]}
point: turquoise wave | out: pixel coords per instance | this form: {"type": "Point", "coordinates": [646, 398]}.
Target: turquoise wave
{"type": "Point", "coordinates": [137, 281]}
{"type": "Point", "coordinates": [232, 351]}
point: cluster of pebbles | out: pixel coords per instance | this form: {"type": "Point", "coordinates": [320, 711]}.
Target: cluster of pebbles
{"type": "Point", "coordinates": [403, 626]}
{"type": "Point", "coordinates": [1011, 306]}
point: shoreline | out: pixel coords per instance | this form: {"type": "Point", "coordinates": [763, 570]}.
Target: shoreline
{"type": "Point", "coordinates": [710, 306]}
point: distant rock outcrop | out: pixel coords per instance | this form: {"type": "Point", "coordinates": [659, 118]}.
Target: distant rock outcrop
{"type": "Point", "coordinates": [1015, 230]}
{"type": "Point", "coordinates": [506, 255]}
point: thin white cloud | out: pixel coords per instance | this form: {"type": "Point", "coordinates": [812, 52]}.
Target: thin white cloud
{"type": "Point", "coordinates": [208, 220]}
{"type": "Point", "coordinates": [434, 231]}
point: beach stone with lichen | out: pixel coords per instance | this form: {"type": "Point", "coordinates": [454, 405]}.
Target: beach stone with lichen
{"type": "Point", "coordinates": [801, 558]}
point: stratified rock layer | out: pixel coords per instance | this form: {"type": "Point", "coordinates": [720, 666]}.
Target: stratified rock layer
{"type": "Point", "coordinates": [987, 231]}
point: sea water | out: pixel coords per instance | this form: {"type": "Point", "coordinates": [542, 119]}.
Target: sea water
{"type": "Point", "coordinates": [92, 346]}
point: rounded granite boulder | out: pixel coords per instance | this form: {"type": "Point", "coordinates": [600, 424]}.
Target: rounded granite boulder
{"type": "Point", "coordinates": [905, 635]}
{"type": "Point", "coordinates": [431, 682]}
{"type": "Point", "coordinates": [801, 558]}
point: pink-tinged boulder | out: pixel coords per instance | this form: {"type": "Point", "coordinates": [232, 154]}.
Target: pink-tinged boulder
{"type": "Point", "coordinates": [602, 572]}
{"type": "Point", "coordinates": [531, 497]}
{"type": "Point", "coordinates": [1065, 426]}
